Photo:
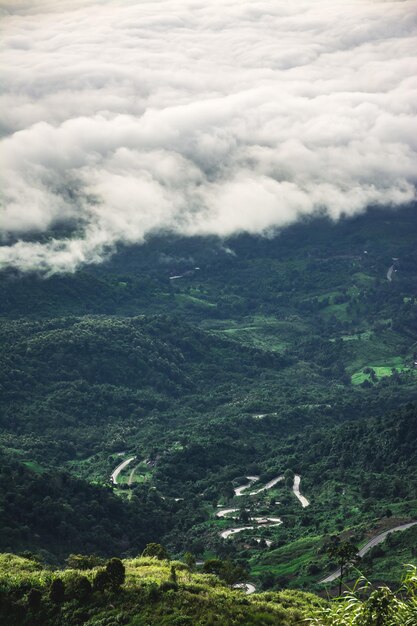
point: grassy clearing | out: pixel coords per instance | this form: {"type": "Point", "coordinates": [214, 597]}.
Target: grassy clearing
{"type": "Point", "coordinates": [187, 299]}
{"type": "Point", "coordinates": [381, 371]}
{"type": "Point", "coordinates": [257, 338]}
{"type": "Point", "coordinates": [328, 294]}
{"type": "Point", "coordinates": [338, 310]}
{"type": "Point", "coordinates": [360, 278]}
{"type": "Point", "coordinates": [34, 466]}
{"type": "Point", "coordinates": [300, 546]}
{"type": "Point", "coordinates": [265, 332]}
{"type": "Point", "coordinates": [289, 559]}
{"type": "Point", "coordinates": [381, 349]}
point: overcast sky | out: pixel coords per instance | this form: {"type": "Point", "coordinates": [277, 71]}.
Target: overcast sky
{"type": "Point", "coordinates": [127, 117]}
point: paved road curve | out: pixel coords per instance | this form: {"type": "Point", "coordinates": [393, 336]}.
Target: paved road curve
{"type": "Point", "coordinates": [296, 490]}
{"type": "Point", "coordinates": [269, 485]}
{"type": "Point", "coordinates": [224, 512]}
{"type": "Point", "coordinates": [239, 490]}
{"type": "Point", "coordinates": [370, 544]}
{"type": "Point", "coordinates": [120, 468]}
{"type": "Point", "coordinates": [246, 587]}
{"type": "Point", "coordinates": [233, 531]}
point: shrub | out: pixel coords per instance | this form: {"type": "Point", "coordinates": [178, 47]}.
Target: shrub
{"type": "Point", "coordinates": [34, 599]}
{"type": "Point", "coordinates": [156, 550]}
{"type": "Point", "coordinates": [116, 573]}
{"type": "Point", "coordinates": [78, 587]}
{"type": "Point", "coordinates": [101, 580]}
{"type": "Point", "coordinates": [57, 591]}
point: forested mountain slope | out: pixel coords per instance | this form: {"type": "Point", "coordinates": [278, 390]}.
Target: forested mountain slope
{"type": "Point", "coordinates": [199, 362]}
{"type": "Point", "coordinates": [69, 379]}
{"type": "Point", "coordinates": [54, 514]}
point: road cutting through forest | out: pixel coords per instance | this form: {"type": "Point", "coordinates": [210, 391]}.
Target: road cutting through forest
{"type": "Point", "coordinates": [265, 522]}
{"type": "Point", "coordinates": [120, 468]}
{"type": "Point", "coordinates": [368, 546]}
{"type": "Point", "coordinates": [239, 490]}
{"type": "Point", "coordinates": [247, 587]}
{"type": "Point", "coordinates": [296, 490]}
{"type": "Point", "coordinates": [261, 521]}
{"type": "Point", "coordinates": [269, 485]}
{"type": "Point", "coordinates": [224, 512]}
{"type": "Point", "coordinates": [268, 522]}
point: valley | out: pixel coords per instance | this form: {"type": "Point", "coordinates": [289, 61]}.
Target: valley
{"type": "Point", "coordinates": [272, 399]}
{"type": "Point", "coordinates": [208, 313]}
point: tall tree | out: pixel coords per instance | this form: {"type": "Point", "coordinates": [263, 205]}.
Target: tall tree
{"type": "Point", "coordinates": [345, 553]}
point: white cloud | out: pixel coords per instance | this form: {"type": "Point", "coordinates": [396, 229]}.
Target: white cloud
{"type": "Point", "coordinates": [128, 117]}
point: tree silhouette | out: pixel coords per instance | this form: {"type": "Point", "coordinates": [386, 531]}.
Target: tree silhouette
{"type": "Point", "coordinates": [101, 580]}
{"type": "Point", "coordinates": [57, 591]}
{"type": "Point", "coordinates": [116, 573]}
{"type": "Point", "coordinates": [345, 553]}
{"type": "Point", "coordinates": [34, 599]}
{"type": "Point", "coordinates": [155, 549]}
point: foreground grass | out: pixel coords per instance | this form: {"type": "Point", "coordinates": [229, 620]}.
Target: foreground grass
{"type": "Point", "coordinates": [366, 605]}
{"type": "Point", "coordinates": [162, 592]}
{"type": "Point", "coordinates": [154, 593]}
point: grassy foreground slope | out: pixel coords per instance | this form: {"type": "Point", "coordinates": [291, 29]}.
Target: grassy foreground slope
{"type": "Point", "coordinates": [152, 592]}
{"type": "Point", "coordinates": [155, 593]}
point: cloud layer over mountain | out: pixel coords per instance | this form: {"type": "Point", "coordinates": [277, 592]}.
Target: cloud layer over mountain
{"type": "Point", "coordinates": [127, 117]}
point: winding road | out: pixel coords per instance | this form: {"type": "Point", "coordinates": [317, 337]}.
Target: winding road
{"type": "Point", "coordinates": [247, 587]}
{"type": "Point", "coordinates": [238, 490]}
{"type": "Point", "coordinates": [233, 531]}
{"type": "Point", "coordinates": [225, 512]}
{"type": "Point", "coordinates": [260, 521]}
{"type": "Point", "coordinates": [120, 468]}
{"type": "Point", "coordinates": [266, 522]}
{"type": "Point", "coordinates": [269, 485]}
{"type": "Point", "coordinates": [370, 544]}
{"type": "Point", "coordinates": [296, 490]}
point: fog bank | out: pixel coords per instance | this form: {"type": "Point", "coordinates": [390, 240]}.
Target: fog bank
{"type": "Point", "coordinates": [128, 118]}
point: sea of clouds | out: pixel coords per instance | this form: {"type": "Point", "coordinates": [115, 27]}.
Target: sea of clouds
{"type": "Point", "coordinates": [123, 118]}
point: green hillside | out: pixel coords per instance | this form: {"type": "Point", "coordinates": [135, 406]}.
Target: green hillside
{"type": "Point", "coordinates": [151, 591]}
{"type": "Point", "coordinates": [154, 592]}
{"type": "Point", "coordinates": [281, 357]}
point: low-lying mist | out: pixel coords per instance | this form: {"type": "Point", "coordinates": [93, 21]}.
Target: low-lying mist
{"type": "Point", "coordinates": [132, 118]}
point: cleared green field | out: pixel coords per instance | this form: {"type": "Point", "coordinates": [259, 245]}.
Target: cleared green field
{"type": "Point", "coordinates": [327, 294]}
{"type": "Point", "coordinates": [363, 279]}
{"type": "Point", "coordinates": [338, 310]}
{"type": "Point", "coordinates": [289, 559]}
{"type": "Point", "coordinates": [34, 466]}
{"type": "Point", "coordinates": [384, 349]}
{"type": "Point", "coordinates": [366, 335]}
{"type": "Point", "coordinates": [380, 371]}
{"type": "Point", "coordinates": [265, 332]}
{"type": "Point", "coordinates": [188, 299]}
